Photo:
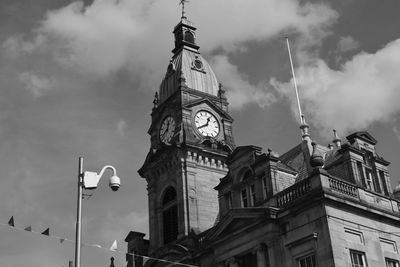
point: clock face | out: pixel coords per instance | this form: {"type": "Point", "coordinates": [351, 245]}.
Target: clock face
{"type": "Point", "coordinates": [167, 130]}
{"type": "Point", "coordinates": [206, 123]}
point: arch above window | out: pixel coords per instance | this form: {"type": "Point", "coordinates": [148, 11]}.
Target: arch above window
{"type": "Point", "coordinates": [247, 175]}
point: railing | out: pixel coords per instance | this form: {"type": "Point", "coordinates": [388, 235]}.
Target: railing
{"type": "Point", "coordinates": [295, 191]}
{"type": "Point", "coordinates": [343, 187]}
{"type": "Point", "coordinates": [340, 188]}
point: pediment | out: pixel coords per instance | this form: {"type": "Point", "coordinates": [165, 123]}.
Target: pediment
{"type": "Point", "coordinates": [236, 221]}
{"type": "Point", "coordinates": [235, 226]}
{"type": "Point", "coordinates": [211, 105]}
{"type": "Point", "coordinates": [363, 135]}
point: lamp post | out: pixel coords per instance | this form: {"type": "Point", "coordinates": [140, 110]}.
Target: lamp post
{"type": "Point", "coordinates": [89, 180]}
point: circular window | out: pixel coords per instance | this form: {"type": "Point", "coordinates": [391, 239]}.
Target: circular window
{"type": "Point", "coordinates": [198, 64]}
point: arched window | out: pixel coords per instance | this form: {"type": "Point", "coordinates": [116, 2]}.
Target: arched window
{"type": "Point", "coordinates": [170, 215]}
{"type": "Point", "coordinates": [189, 37]}
{"type": "Point", "coordinates": [248, 192]}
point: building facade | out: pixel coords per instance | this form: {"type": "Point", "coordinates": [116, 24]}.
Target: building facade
{"type": "Point", "coordinates": [214, 204]}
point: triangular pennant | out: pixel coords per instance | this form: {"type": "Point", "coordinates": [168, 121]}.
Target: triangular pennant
{"type": "Point", "coordinates": [29, 229]}
{"type": "Point", "coordinates": [46, 232]}
{"type": "Point", "coordinates": [62, 240]}
{"type": "Point", "coordinates": [114, 246]}
{"type": "Point", "coordinates": [145, 259]}
{"type": "Point", "coordinates": [11, 221]}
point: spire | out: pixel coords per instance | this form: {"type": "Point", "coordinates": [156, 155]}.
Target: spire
{"type": "Point", "coordinates": [336, 139]}
{"type": "Point", "coordinates": [187, 68]}
{"type": "Point", "coordinates": [182, 2]}
{"type": "Point", "coordinates": [185, 32]}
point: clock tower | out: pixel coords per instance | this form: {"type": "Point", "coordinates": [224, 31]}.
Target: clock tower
{"type": "Point", "coordinates": [191, 138]}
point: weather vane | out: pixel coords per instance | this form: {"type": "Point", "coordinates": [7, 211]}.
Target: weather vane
{"type": "Point", "coordinates": [182, 2]}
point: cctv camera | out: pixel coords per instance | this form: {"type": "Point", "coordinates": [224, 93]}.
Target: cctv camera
{"type": "Point", "coordinates": [115, 182]}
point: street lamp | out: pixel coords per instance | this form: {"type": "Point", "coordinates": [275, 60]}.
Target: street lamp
{"type": "Point", "coordinates": [89, 180]}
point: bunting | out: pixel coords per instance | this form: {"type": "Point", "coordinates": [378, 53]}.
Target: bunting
{"type": "Point", "coordinates": [46, 232]}
{"type": "Point", "coordinates": [11, 221]}
{"type": "Point", "coordinates": [113, 248]}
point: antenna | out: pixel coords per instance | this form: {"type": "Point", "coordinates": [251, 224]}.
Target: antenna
{"type": "Point", "coordinates": [294, 81]}
{"type": "Point", "coordinates": [182, 2]}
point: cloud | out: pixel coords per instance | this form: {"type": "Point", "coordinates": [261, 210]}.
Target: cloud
{"type": "Point", "coordinates": [16, 45]}
{"type": "Point", "coordinates": [396, 131]}
{"type": "Point", "coordinates": [121, 127]}
{"type": "Point", "coordinates": [347, 43]}
{"type": "Point", "coordinates": [107, 36]}
{"type": "Point", "coordinates": [364, 90]}
{"type": "Point", "coordinates": [238, 89]}
{"type": "Point", "coordinates": [35, 84]}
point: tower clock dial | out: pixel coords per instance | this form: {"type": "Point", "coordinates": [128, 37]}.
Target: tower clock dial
{"type": "Point", "coordinates": [167, 130]}
{"type": "Point", "coordinates": [206, 123]}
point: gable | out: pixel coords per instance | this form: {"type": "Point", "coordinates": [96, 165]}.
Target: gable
{"type": "Point", "coordinates": [237, 220]}
{"type": "Point", "coordinates": [235, 226]}
{"type": "Point", "coordinates": [211, 105]}
{"type": "Point", "coordinates": [363, 135]}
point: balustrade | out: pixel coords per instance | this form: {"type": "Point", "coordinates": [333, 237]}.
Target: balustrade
{"type": "Point", "coordinates": [295, 191]}
{"type": "Point", "coordinates": [343, 187]}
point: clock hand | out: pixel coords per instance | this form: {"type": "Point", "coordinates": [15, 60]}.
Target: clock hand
{"type": "Point", "coordinates": [206, 124]}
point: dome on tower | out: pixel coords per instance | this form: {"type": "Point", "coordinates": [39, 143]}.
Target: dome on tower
{"type": "Point", "coordinates": [187, 67]}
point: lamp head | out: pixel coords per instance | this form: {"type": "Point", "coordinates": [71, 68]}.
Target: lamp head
{"type": "Point", "coordinates": [115, 182]}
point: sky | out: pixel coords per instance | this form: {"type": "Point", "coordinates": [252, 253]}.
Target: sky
{"type": "Point", "coordinates": [77, 78]}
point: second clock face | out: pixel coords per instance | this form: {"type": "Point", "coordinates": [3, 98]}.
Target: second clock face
{"type": "Point", "coordinates": [167, 129]}
{"type": "Point", "coordinates": [206, 123]}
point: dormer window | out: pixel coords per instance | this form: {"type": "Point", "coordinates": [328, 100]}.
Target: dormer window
{"type": "Point", "coordinates": [248, 191]}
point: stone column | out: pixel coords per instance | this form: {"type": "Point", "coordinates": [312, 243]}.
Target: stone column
{"type": "Point", "coordinates": [232, 262]}
{"type": "Point", "coordinates": [261, 256]}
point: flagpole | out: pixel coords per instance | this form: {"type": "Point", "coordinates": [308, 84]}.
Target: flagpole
{"type": "Point", "coordinates": [294, 81]}
{"type": "Point", "coordinates": [79, 215]}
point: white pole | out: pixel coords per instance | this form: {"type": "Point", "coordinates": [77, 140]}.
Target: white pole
{"type": "Point", "coordinates": [294, 81]}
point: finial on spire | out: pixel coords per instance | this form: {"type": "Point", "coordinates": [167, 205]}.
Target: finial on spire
{"type": "Point", "coordinates": [304, 128]}
{"type": "Point", "coordinates": [182, 2]}
{"type": "Point", "coordinates": [336, 139]}
{"type": "Point", "coordinates": [221, 93]}
{"type": "Point", "coordinates": [155, 101]}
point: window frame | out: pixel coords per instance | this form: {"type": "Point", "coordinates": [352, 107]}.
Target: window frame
{"type": "Point", "coordinates": [265, 187]}
{"type": "Point", "coordinates": [304, 259]}
{"type": "Point", "coordinates": [253, 194]}
{"type": "Point", "coordinates": [244, 198]}
{"type": "Point", "coordinates": [352, 253]}
{"type": "Point", "coordinates": [391, 261]}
